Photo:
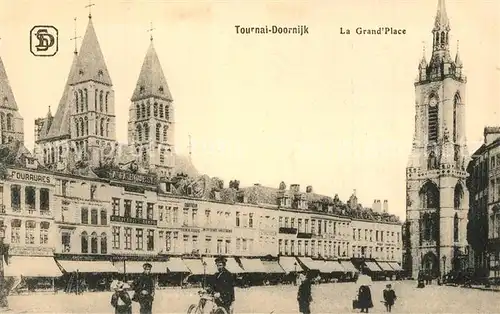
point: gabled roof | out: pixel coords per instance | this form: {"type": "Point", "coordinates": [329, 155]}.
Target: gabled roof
{"type": "Point", "coordinates": [90, 62]}
{"type": "Point", "coordinates": [151, 81]}
{"type": "Point", "coordinates": [6, 95]}
{"type": "Point", "coordinates": [61, 121]}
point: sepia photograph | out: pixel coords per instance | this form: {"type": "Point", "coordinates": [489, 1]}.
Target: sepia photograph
{"type": "Point", "coordinates": [226, 157]}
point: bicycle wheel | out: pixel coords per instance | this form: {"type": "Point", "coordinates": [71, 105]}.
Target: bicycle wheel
{"type": "Point", "coordinates": [194, 309]}
{"type": "Point", "coordinates": [220, 310]}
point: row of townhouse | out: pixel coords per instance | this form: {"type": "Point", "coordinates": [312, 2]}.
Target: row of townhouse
{"type": "Point", "coordinates": [130, 216]}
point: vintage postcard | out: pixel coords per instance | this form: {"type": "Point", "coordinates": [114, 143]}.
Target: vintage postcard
{"type": "Point", "coordinates": [220, 157]}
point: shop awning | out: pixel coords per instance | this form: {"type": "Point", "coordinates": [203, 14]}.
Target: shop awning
{"type": "Point", "coordinates": [135, 267]}
{"type": "Point", "coordinates": [32, 266]}
{"type": "Point", "coordinates": [309, 263]}
{"type": "Point", "coordinates": [272, 267]}
{"type": "Point", "coordinates": [385, 266]}
{"type": "Point", "coordinates": [395, 266]}
{"type": "Point", "coordinates": [289, 264]}
{"type": "Point", "coordinates": [253, 265]}
{"type": "Point", "coordinates": [176, 265]}
{"type": "Point", "coordinates": [334, 267]}
{"type": "Point", "coordinates": [210, 266]}
{"type": "Point", "coordinates": [87, 266]}
{"type": "Point", "coordinates": [233, 266]}
{"type": "Point", "coordinates": [195, 266]}
{"type": "Point", "coordinates": [322, 266]}
{"type": "Point", "coordinates": [372, 266]}
{"type": "Point", "coordinates": [348, 266]}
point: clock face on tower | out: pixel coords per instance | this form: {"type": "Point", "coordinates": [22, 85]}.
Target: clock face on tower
{"type": "Point", "coordinates": [433, 102]}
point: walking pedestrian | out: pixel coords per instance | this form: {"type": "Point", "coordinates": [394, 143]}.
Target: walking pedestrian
{"type": "Point", "coordinates": [144, 288]}
{"type": "Point", "coordinates": [120, 300]}
{"type": "Point", "coordinates": [304, 295]}
{"type": "Point", "coordinates": [365, 298]}
{"type": "Point", "coordinates": [389, 297]}
{"type": "Point", "coordinates": [222, 284]}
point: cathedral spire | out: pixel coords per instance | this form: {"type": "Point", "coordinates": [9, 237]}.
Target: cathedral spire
{"type": "Point", "coordinates": [441, 28]}
{"type": "Point", "coordinates": [7, 99]}
{"type": "Point", "coordinates": [151, 81]}
{"type": "Point", "coordinates": [91, 65]}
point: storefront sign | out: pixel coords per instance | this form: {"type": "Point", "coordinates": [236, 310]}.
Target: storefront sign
{"type": "Point", "coordinates": [32, 177]}
{"type": "Point", "coordinates": [217, 230]}
{"type": "Point", "coordinates": [133, 220]}
{"type": "Point", "coordinates": [190, 230]}
{"type": "Point", "coordinates": [133, 177]}
{"type": "Point", "coordinates": [193, 205]}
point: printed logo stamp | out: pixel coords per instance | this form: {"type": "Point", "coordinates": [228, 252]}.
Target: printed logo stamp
{"type": "Point", "coordinates": [44, 40]}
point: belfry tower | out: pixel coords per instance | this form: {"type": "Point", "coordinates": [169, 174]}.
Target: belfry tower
{"type": "Point", "coordinates": [151, 118]}
{"type": "Point", "coordinates": [437, 197]}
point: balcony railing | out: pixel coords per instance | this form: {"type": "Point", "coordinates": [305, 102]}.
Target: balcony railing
{"type": "Point", "coordinates": [304, 235]}
{"type": "Point", "coordinates": [287, 230]}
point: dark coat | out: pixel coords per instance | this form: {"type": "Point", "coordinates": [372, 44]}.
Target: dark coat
{"type": "Point", "coordinates": [365, 297]}
{"type": "Point", "coordinates": [222, 282]}
{"type": "Point", "coordinates": [144, 282]}
{"type": "Point", "coordinates": [304, 293]}
{"type": "Point", "coordinates": [389, 296]}
{"type": "Point", "coordinates": [125, 306]}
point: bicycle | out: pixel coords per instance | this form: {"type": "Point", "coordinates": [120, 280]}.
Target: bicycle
{"type": "Point", "coordinates": [206, 302]}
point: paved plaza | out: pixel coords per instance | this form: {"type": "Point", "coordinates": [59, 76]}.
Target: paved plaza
{"type": "Point", "coordinates": [328, 298]}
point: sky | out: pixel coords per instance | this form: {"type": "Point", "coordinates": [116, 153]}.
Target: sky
{"type": "Point", "coordinates": [323, 109]}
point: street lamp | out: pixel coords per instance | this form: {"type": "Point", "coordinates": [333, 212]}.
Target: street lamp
{"type": "Point", "coordinates": [295, 273]}
{"type": "Point", "coordinates": [204, 273]}
{"type": "Point", "coordinates": [444, 266]}
{"type": "Point", "coordinates": [4, 304]}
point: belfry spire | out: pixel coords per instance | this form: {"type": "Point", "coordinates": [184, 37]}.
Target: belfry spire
{"type": "Point", "coordinates": [441, 22]}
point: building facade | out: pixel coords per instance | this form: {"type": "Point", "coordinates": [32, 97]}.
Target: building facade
{"type": "Point", "coordinates": [437, 197]}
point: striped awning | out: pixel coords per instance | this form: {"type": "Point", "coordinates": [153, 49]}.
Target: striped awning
{"type": "Point", "coordinates": [272, 267]}
{"type": "Point", "coordinates": [348, 266]}
{"type": "Point", "coordinates": [395, 266]}
{"type": "Point", "coordinates": [309, 263]}
{"type": "Point", "coordinates": [87, 266]}
{"type": "Point", "coordinates": [253, 265]}
{"type": "Point", "coordinates": [195, 266]}
{"type": "Point", "coordinates": [335, 267]}
{"type": "Point", "coordinates": [231, 265]}
{"type": "Point", "coordinates": [32, 266]}
{"type": "Point", "coordinates": [176, 265]}
{"type": "Point", "coordinates": [372, 266]}
{"type": "Point", "coordinates": [289, 264]}
{"type": "Point", "coordinates": [385, 266]}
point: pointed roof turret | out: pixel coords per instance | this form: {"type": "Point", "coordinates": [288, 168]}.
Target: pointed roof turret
{"type": "Point", "coordinates": [60, 125]}
{"type": "Point", "coordinates": [458, 61]}
{"type": "Point", "coordinates": [441, 22]}
{"type": "Point", "coordinates": [423, 61]}
{"type": "Point", "coordinates": [47, 123]}
{"type": "Point", "coordinates": [90, 63]}
{"type": "Point", "coordinates": [151, 81]}
{"type": "Point", "coordinates": [6, 95]}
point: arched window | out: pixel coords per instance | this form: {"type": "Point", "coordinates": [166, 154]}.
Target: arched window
{"type": "Point", "coordinates": [432, 161]}
{"type": "Point", "coordinates": [84, 242]}
{"type": "Point", "coordinates": [458, 195]}
{"type": "Point", "coordinates": [155, 110]}
{"type": "Point", "coordinates": [85, 92]}
{"type": "Point", "coordinates": [143, 110]}
{"type": "Point", "coordinates": [158, 132]}
{"type": "Point", "coordinates": [161, 110]}
{"type": "Point", "coordinates": [104, 217]}
{"type": "Point", "coordinates": [96, 126]}
{"type": "Point", "coordinates": [144, 155]}
{"type": "Point", "coordinates": [9, 121]}
{"type": "Point", "coordinates": [433, 121]}
{"type": "Point", "coordinates": [429, 196]}
{"type": "Point", "coordinates": [456, 102]}
{"type": "Point", "coordinates": [456, 221]}
{"type": "Point", "coordinates": [60, 153]}
{"type": "Point", "coordinates": [104, 243]}
{"type": "Point", "coordinates": [107, 128]}
{"type": "Point", "coordinates": [76, 101]}
{"type": "Point", "coordinates": [84, 216]}
{"type": "Point", "coordinates": [162, 156]}
{"type": "Point", "coordinates": [148, 108]}
{"type": "Point", "coordinates": [443, 39]}
{"type": "Point", "coordinates": [93, 243]}
{"type": "Point", "coordinates": [165, 135]}
{"type": "Point", "coordinates": [82, 101]}
{"type": "Point", "coordinates": [138, 111]}
{"type": "Point", "coordinates": [101, 103]}
{"type": "Point", "coordinates": [139, 133]}
{"type": "Point", "coordinates": [167, 114]}
{"type": "Point", "coordinates": [93, 217]}
{"type": "Point", "coordinates": [77, 124]}
{"type": "Point", "coordinates": [52, 155]}
{"type": "Point", "coordinates": [96, 95]}
{"type": "Point", "coordinates": [146, 132]}
{"type": "Point", "coordinates": [86, 126]}
{"type": "Point", "coordinates": [102, 127]}
{"type": "Point", "coordinates": [436, 42]}
{"type": "Point", "coordinates": [82, 127]}
{"type": "Point", "coordinates": [106, 101]}
{"type": "Point", "coordinates": [45, 157]}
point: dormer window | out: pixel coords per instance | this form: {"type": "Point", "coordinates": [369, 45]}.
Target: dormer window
{"type": "Point", "coordinates": [141, 89]}
{"type": "Point", "coordinates": [161, 89]}
{"type": "Point", "coordinates": [100, 73]}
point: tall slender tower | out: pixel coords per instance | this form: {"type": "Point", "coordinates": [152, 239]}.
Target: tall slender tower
{"type": "Point", "coordinates": [437, 197]}
{"type": "Point", "coordinates": [151, 118]}
{"type": "Point", "coordinates": [11, 121]}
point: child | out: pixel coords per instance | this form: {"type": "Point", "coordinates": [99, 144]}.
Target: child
{"type": "Point", "coordinates": [389, 297]}
{"type": "Point", "coordinates": [121, 300]}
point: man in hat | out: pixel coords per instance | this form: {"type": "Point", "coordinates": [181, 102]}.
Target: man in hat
{"type": "Point", "coordinates": [223, 286]}
{"type": "Point", "coordinates": [144, 288]}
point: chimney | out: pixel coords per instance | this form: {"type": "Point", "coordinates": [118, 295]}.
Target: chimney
{"type": "Point", "coordinates": [309, 189]}
{"type": "Point", "coordinates": [386, 206]}
{"type": "Point", "coordinates": [256, 184]}
{"type": "Point", "coordinates": [374, 206]}
{"type": "Point", "coordinates": [295, 188]}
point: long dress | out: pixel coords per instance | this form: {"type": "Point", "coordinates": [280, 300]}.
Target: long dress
{"type": "Point", "coordinates": [365, 298]}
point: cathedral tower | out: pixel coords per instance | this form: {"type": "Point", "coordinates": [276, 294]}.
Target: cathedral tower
{"type": "Point", "coordinates": [85, 119]}
{"type": "Point", "coordinates": [151, 118]}
{"type": "Point", "coordinates": [11, 122]}
{"type": "Point", "coordinates": [437, 198]}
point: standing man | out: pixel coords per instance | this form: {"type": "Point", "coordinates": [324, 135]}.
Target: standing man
{"type": "Point", "coordinates": [144, 288]}
{"type": "Point", "coordinates": [304, 296]}
{"type": "Point", "coordinates": [223, 286]}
